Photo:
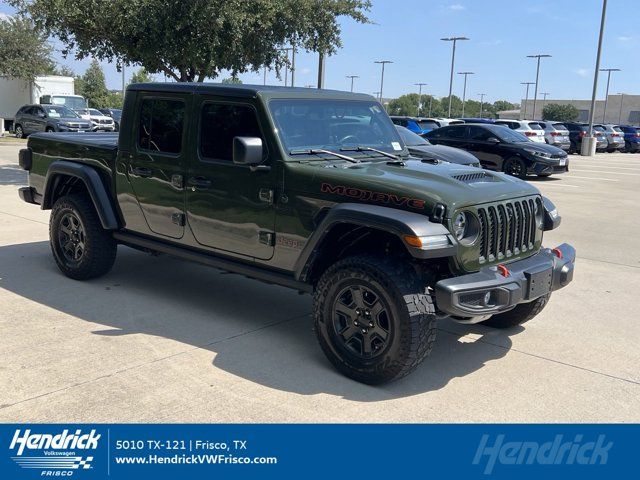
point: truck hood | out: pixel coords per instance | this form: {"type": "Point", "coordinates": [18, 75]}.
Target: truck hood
{"type": "Point", "coordinates": [416, 185]}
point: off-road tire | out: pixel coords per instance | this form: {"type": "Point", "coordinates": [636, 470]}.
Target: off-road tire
{"type": "Point", "coordinates": [50, 130]}
{"type": "Point", "coordinates": [411, 317]}
{"type": "Point", "coordinates": [19, 131]}
{"type": "Point", "coordinates": [512, 162]}
{"type": "Point", "coordinates": [99, 247]}
{"type": "Point", "coordinates": [519, 315]}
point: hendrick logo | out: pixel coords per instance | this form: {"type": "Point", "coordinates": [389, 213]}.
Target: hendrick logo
{"type": "Point", "coordinates": [555, 452]}
{"type": "Point", "coordinates": [53, 454]}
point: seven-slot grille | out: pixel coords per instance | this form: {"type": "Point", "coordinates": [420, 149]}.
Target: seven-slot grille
{"type": "Point", "coordinates": [508, 228]}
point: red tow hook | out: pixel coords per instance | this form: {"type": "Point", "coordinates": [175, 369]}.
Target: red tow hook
{"type": "Point", "coordinates": [504, 271]}
{"type": "Point", "coordinates": [557, 252]}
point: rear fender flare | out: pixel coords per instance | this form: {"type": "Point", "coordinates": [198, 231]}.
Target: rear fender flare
{"type": "Point", "coordinates": [92, 181]}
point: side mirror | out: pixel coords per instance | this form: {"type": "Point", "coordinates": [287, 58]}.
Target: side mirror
{"type": "Point", "coordinates": [247, 151]}
{"type": "Point", "coordinates": [493, 140]}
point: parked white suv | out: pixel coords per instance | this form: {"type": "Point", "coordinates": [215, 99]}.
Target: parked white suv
{"type": "Point", "coordinates": [99, 121]}
{"type": "Point", "coordinates": [530, 128]}
{"type": "Point", "coordinates": [556, 134]}
{"type": "Point", "coordinates": [614, 134]}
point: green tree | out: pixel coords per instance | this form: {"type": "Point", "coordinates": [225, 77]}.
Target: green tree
{"type": "Point", "coordinates": [562, 113]}
{"type": "Point", "coordinates": [232, 80]}
{"type": "Point", "coordinates": [408, 105]}
{"type": "Point", "coordinates": [24, 52]}
{"type": "Point", "coordinates": [114, 99]}
{"type": "Point", "coordinates": [196, 39]}
{"type": "Point", "coordinates": [141, 76]}
{"type": "Point", "coordinates": [93, 87]}
{"type": "Point", "coordinates": [501, 105]}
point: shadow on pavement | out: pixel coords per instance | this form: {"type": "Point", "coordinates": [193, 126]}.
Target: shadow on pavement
{"type": "Point", "coordinates": [258, 332]}
{"type": "Point", "coordinates": [12, 175]}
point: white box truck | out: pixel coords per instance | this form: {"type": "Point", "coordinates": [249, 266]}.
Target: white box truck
{"type": "Point", "coordinates": [55, 89]}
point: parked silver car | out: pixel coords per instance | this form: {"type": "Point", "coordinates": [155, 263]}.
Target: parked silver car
{"type": "Point", "coordinates": [556, 134]}
{"type": "Point", "coordinates": [614, 134]}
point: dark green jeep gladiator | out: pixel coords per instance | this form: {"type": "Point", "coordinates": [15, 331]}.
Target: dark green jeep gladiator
{"type": "Point", "coordinates": [313, 190]}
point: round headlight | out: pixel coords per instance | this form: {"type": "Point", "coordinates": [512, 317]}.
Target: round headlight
{"type": "Point", "coordinates": [460, 225]}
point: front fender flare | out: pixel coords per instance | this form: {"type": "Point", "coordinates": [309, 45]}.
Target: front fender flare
{"type": "Point", "coordinates": [92, 181]}
{"type": "Point", "coordinates": [391, 220]}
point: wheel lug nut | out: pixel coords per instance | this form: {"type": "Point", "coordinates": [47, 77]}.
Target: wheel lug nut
{"type": "Point", "coordinates": [371, 324]}
{"type": "Point", "coordinates": [355, 323]}
{"type": "Point", "coordinates": [364, 330]}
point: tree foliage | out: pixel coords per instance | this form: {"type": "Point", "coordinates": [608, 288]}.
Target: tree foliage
{"type": "Point", "coordinates": [141, 76]}
{"type": "Point", "coordinates": [562, 113]}
{"type": "Point", "coordinates": [232, 80]}
{"type": "Point", "coordinates": [195, 39]}
{"type": "Point", "coordinates": [24, 50]}
{"type": "Point", "coordinates": [432, 107]}
{"type": "Point", "coordinates": [93, 87]}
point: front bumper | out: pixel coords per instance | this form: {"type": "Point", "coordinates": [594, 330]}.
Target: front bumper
{"type": "Point", "coordinates": [544, 167]}
{"type": "Point", "coordinates": [488, 291]}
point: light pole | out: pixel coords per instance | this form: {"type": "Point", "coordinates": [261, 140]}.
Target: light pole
{"type": "Point", "coordinates": [453, 59]}
{"type": "Point", "coordinates": [588, 147]}
{"type": "Point", "coordinates": [526, 98]}
{"type": "Point", "coordinates": [620, 112]}
{"type": "Point", "coordinates": [544, 99]}
{"type": "Point", "coordinates": [383, 63]}
{"type": "Point", "coordinates": [352, 77]}
{"type": "Point", "coordinates": [535, 95]}
{"type": "Point", "coordinates": [293, 65]}
{"type": "Point", "coordinates": [321, 65]}
{"type": "Point", "coordinates": [264, 76]}
{"type": "Point", "coordinates": [481, 95]}
{"type": "Point", "coordinates": [464, 90]}
{"type": "Point", "coordinates": [286, 66]}
{"type": "Point", "coordinates": [606, 96]}
{"type": "Point", "coordinates": [420, 85]}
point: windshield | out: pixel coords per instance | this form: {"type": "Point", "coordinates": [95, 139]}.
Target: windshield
{"type": "Point", "coordinates": [60, 111]}
{"type": "Point", "coordinates": [82, 111]}
{"type": "Point", "coordinates": [306, 124]}
{"type": "Point", "coordinates": [68, 101]}
{"type": "Point", "coordinates": [617, 129]}
{"type": "Point", "coordinates": [510, 136]}
{"type": "Point", "coordinates": [427, 124]}
{"type": "Point", "coordinates": [95, 112]}
{"type": "Point", "coordinates": [411, 139]}
{"type": "Point", "coordinates": [535, 126]}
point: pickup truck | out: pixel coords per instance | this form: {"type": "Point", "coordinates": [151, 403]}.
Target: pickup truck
{"type": "Point", "coordinates": [309, 189]}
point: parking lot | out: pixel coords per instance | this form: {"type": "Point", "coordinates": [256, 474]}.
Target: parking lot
{"type": "Point", "coordinates": [161, 340]}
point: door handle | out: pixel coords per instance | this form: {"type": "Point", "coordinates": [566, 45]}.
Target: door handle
{"type": "Point", "coordinates": [199, 182]}
{"type": "Point", "coordinates": [142, 171]}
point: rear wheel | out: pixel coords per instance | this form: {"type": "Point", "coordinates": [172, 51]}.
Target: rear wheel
{"type": "Point", "coordinates": [515, 167]}
{"type": "Point", "coordinates": [81, 248]}
{"type": "Point", "coordinates": [519, 315]}
{"type": "Point", "coordinates": [373, 319]}
{"type": "Point", "coordinates": [19, 132]}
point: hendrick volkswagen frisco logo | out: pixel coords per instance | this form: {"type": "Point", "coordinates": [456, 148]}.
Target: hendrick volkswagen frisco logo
{"type": "Point", "coordinates": [53, 453]}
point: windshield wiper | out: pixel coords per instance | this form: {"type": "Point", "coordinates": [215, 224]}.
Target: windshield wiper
{"type": "Point", "coordinates": [360, 148]}
{"type": "Point", "coordinates": [318, 151]}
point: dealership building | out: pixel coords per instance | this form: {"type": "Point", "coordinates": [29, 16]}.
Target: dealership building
{"type": "Point", "coordinates": [622, 109]}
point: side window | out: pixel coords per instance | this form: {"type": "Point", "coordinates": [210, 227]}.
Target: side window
{"type": "Point", "coordinates": [160, 125]}
{"type": "Point", "coordinates": [455, 132]}
{"type": "Point", "coordinates": [220, 123]}
{"type": "Point", "coordinates": [477, 133]}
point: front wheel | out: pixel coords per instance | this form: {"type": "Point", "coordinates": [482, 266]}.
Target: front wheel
{"type": "Point", "coordinates": [49, 130]}
{"type": "Point", "coordinates": [19, 132]}
{"type": "Point", "coordinates": [373, 319]}
{"type": "Point", "coordinates": [81, 248]}
{"type": "Point", "coordinates": [519, 315]}
{"type": "Point", "coordinates": [515, 167]}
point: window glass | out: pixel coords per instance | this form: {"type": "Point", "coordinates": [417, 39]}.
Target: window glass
{"type": "Point", "coordinates": [427, 124]}
{"type": "Point", "coordinates": [453, 132]}
{"type": "Point", "coordinates": [160, 125]}
{"type": "Point", "coordinates": [220, 124]}
{"type": "Point", "coordinates": [411, 139]}
{"type": "Point", "coordinates": [481, 134]}
{"type": "Point", "coordinates": [535, 126]}
{"type": "Point", "coordinates": [560, 126]}
{"type": "Point", "coordinates": [60, 111]}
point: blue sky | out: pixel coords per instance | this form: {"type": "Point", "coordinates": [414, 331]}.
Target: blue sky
{"type": "Point", "coordinates": [501, 34]}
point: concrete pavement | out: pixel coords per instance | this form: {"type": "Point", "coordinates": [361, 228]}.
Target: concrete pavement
{"type": "Point", "coordinates": [161, 340]}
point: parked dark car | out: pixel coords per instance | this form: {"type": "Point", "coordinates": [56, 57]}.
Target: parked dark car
{"type": "Point", "coordinates": [48, 118]}
{"type": "Point", "coordinates": [422, 148]}
{"type": "Point", "coordinates": [500, 148]}
{"type": "Point", "coordinates": [415, 124]}
{"type": "Point", "coordinates": [114, 113]}
{"type": "Point", "coordinates": [579, 130]}
{"type": "Point", "coordinates": [631, 138]}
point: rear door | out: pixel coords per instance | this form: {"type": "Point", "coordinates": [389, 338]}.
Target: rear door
{"type": "Point", "coordinates": [230, 207]}
{"type": "Point", "coordinates": [156, 164]}
{"type": "Point", "coordinates": [488, 153]}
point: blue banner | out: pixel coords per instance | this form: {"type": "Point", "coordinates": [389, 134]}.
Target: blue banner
{"type": "Point", "coordinates": [123, 451]}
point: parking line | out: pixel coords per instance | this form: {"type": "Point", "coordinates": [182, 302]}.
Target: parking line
{"type": "Point", "coordinates": [596, 178]}
{"type": "Point", "coordinates": [555, 184]}
{"type": "Point", "coordinates": [608, 166]}
{"type": "Point", "coordinates": [605, 172]}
